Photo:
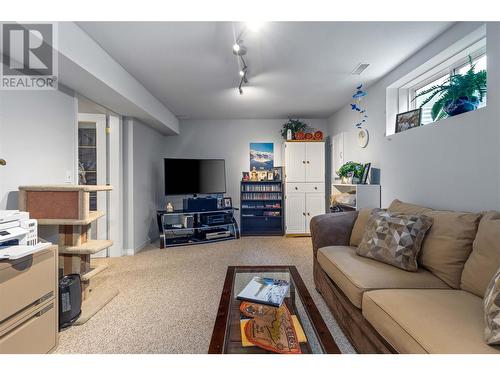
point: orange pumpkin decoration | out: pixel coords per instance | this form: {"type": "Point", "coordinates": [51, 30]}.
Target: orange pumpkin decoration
{"type": "Point", "coordinates": [318, 135]}
{"type": "Point", "coordinates": [309, 136]}
{"type": "Point", "coordinates": [299, 135]}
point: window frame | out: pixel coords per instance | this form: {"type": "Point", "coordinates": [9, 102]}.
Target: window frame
{"type": "Point", "coordinates": [448, 71]}
{"type": "Point", "coordinates": [397, 95]}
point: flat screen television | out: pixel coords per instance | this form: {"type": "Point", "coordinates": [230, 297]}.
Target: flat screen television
{"type": "Point", "coordinates": [195, 176]}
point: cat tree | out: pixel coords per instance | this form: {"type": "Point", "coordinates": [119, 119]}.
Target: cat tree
{"type": "Point", "coordinates": [67, 206]}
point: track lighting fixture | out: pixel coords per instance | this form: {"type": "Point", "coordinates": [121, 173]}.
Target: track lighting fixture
{"type": "Point", "coordinates": [239, 50]}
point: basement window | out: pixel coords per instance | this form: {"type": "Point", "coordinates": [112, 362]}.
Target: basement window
{"type": "Point", "coordinates": [461, 67]}
{"type": "Point", "coordinates": [402, 95]}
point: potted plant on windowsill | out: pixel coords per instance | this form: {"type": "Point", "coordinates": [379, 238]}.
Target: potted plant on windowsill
{"type": "Point", "coordinates": [350, 169]}
{"type": "Point", "coordinates": [460, 93]}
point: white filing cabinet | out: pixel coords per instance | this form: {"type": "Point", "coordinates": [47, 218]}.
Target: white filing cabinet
{"type": "Point", "coordinates": [304, 171]}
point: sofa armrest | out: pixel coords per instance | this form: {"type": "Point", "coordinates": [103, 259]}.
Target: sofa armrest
{"type": "Point", "coordinates": [332, 229]}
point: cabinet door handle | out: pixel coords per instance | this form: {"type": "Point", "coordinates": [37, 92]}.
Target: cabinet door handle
{"type": "Point", "coordinates": [315, 188]}
{"type": "Point", "coordinates": [307, 162]}
{"type": "Point", "coordinates": [303, 161]}
{"type": "Point", "coordinates": [308, 214]}
{"type": "Point", "coordinates": [296, 188]}
{"type": "Point", "coordinates": [303, 213]}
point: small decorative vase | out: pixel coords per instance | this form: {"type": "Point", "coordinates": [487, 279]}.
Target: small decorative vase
{"type": "Point", "coordinates": [344, 180]}
{"type": "Point", "coordinates": [289, 135]}
{"type": "Point", "coordinates": [170, 207]}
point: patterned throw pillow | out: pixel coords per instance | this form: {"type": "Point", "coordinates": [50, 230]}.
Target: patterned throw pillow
{"type": "Point", "coordinates": [394, 238]}
{"type": "Point", "coordinates": [492, 311]}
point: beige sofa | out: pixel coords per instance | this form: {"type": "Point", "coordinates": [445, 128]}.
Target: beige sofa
{"type": "Point", "coordinates": [383, 309]}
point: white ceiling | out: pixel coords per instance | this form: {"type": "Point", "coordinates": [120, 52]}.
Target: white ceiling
{"type": "Point", "coordinates": [297, 69]}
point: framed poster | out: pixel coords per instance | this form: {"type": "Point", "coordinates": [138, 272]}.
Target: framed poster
{"type": "Point", "coordinates": [261, 156]}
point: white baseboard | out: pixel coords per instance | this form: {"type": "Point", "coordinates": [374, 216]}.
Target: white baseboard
{"type": "Point", "coordinates": [127, 252]}
{"type": "Point", "coordinates": [138, 248]}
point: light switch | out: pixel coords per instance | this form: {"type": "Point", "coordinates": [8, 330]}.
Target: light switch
{"type": "Point", "coordinates": [69, 177]}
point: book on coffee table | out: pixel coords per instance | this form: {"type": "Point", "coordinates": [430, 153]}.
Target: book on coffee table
{"type": "Point", "coordinates": [265, 291]}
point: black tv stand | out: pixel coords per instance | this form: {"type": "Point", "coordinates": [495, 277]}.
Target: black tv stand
{"type": "Point", "coordinates": [181, 228]}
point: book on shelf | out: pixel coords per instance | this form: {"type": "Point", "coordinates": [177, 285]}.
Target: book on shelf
{"type": "Point", "coordinates": [265, 291]}
{"type": "Point", "coordinates": [261, 196]}
{"type": "Point", "coordinates": [261, 188]}
{"type": "Point", "coordinates": [276, 206]}
{"type": "Point", "coordinates": [272, 213]}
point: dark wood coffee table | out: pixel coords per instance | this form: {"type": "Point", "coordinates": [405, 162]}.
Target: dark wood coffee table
{"type": "Point", "coordinates": [226, 336]}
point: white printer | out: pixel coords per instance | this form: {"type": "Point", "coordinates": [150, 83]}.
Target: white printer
{"type": "Point", "coordinates": [18, 235]}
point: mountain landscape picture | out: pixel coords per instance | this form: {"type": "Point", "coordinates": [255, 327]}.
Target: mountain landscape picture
{"type": "Point", "coordinates": [261, 156]}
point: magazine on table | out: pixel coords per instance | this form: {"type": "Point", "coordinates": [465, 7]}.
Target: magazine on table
{"type": "Point", "coordinates": [265, 290]}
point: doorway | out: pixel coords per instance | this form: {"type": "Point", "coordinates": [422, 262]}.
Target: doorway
{"type": "Point", "coordinates": [92, 168]}
{"type": "Point", "coordinates": [99, 162]}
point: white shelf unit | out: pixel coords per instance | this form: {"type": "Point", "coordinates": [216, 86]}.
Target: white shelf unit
{"type": "Point", "coordinates": [367, 196]}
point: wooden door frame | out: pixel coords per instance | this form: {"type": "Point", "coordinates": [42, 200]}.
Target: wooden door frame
{"type": "Point", "coordinates": [115, 179]}
{"type": "Point", "coordinates": [102, 169]}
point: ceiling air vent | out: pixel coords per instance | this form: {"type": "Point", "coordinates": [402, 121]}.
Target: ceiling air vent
{"type": "Point", "coordinates": [360, 68]}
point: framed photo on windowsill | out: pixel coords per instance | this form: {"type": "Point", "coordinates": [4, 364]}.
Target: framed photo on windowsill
{"type": "Point", "coordinates": [408, 120]}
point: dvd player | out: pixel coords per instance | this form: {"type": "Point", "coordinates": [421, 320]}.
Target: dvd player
{"type": "Point", "coordinates": [219, 234]}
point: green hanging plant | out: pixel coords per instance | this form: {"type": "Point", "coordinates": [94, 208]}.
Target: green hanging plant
{"type": "Point", "coordinates": [458, 94]}
{"type": "Point", "coordinates": [295, 125]}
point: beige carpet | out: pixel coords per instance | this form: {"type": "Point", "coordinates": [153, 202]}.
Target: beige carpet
{"type": "Point", "coordinates": [169, 297]}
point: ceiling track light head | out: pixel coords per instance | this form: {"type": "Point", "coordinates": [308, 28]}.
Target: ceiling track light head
{"type": "Point", "coordinates": [243, 71]}
{"type": "Point", "coordinates": [239, 49]}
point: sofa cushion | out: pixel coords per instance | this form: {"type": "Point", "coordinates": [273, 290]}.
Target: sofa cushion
{"type": "Point", "coordinates": [394, 238]}
{"type": "Point", "coordinates": [492, 311]}
{"type": "Point", "coordinates": [359, 226]}
{"type": "Point", "coordinates": [447, 244]}
{"type": "Point", "coordinates": [407, 208]}
{"type": "Point", "coordinates": [485, 257]}
{"type": "Point", "coordinates": [354, 274]}
{"type": "Point", "coordinates": [428, 321]}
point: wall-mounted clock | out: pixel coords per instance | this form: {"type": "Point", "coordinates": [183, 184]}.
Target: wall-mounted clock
{"type": "Point", "coordinates": [363, 138]}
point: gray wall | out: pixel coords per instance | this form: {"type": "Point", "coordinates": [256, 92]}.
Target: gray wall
{"type": "Point", "coordinates": [143, 183]}
{"type": "Point", "coordinates": [229, 140]}
{"type": "Point", "coordinates": [451, 164]}
{"type": "Point", "coordinates": [37, 139]}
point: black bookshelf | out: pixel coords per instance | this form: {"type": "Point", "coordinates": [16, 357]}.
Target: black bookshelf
{"type": "Point", "coordinates": [261, 208]}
